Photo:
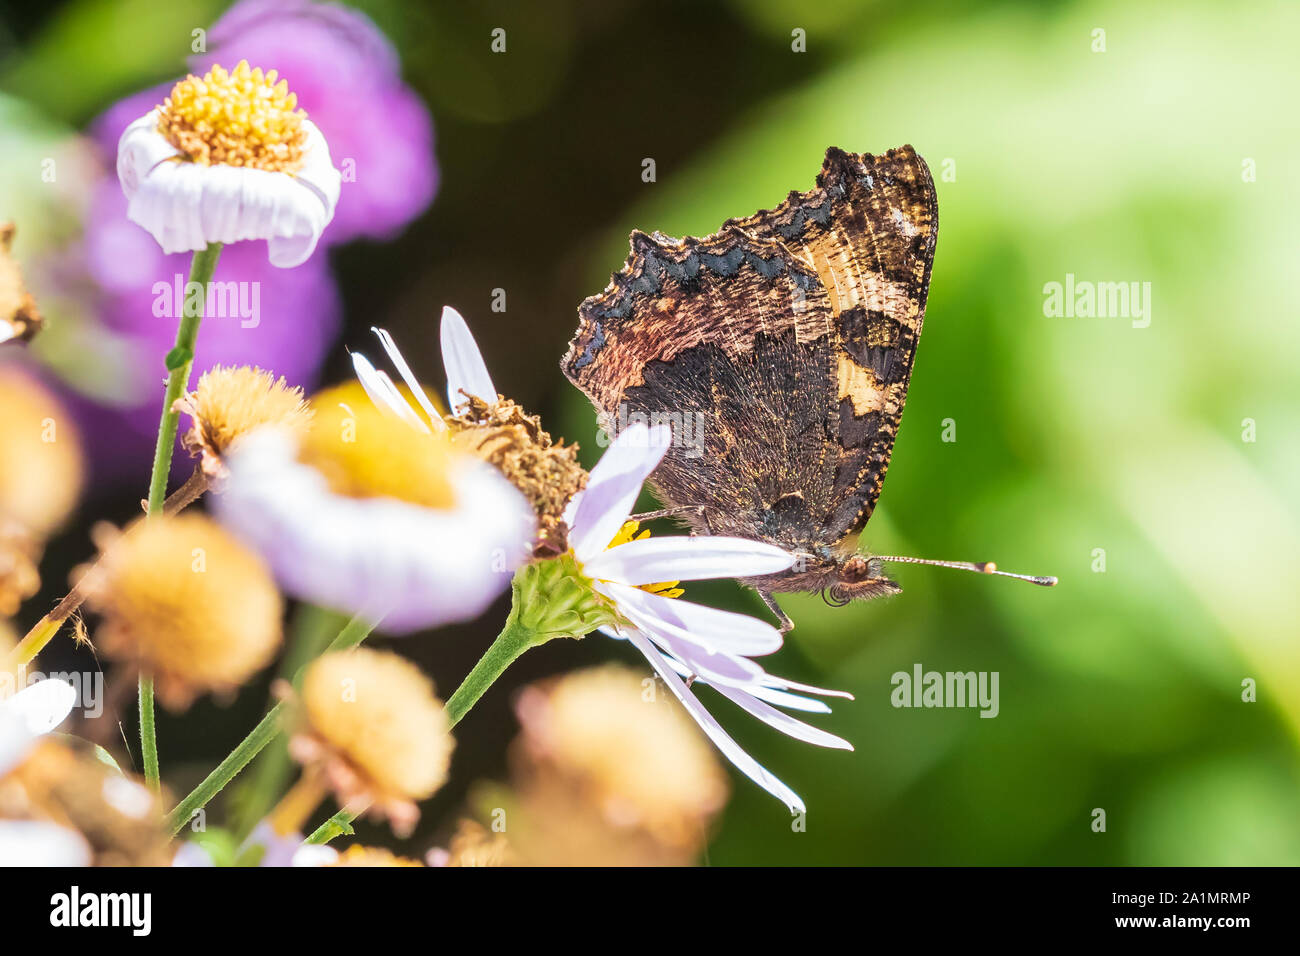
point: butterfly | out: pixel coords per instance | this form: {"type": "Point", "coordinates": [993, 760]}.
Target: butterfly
{"type": "Point", "coordinates": [789, 337]}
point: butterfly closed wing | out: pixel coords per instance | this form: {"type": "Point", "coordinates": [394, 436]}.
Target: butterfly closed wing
{"type": "Point", "coordinates": [781, 347]}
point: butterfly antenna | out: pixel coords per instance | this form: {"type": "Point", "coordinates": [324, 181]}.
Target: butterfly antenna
{"type": "Point", "coordinates": [982, 567]}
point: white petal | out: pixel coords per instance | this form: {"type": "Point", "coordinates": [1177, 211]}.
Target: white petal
{"type": "Point", "coordinates": [43, 705]}
{"type": "Point", "coordinates": [185, 206]}
{"type": "Point", "coordinates": [395, 356]}
{"type": "Point", "coordinates": [463, 362]}
{"type": "Point", "coordinates": [35, 843]}
{"type": "Point", "coordinates": [651, 560]}
{"type": "Point", "coordinates": [613, 487]}
{"type": "Point", "coordinates": [730, 749]}
{"type": "Point", "coordinates": [384, 393]}
{"type": "Point", "coordinates": [713, 630]}
{"type": "Point", "coordinates": [318, 172]}
{"type": "Point", "coordinates": [15, 740]}
{"type": "Point", "coordinates": [774, 681]}
{"type": "Point", "coordinates": [808, 705]}
{"type": "Point", "coordinates": [311, 854]}
{"type": "Point", "coordinates": [415, 567]}
{"type": "Point", "coordinates": [782, 722]}
{"type": "Point", "coordinates": [780, 698]}
{"type": "Point", "coordinates": [139, 149]}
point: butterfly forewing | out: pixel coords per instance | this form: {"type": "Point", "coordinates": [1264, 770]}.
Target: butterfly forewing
{"type": "Point", "coordinates": [779, 349]}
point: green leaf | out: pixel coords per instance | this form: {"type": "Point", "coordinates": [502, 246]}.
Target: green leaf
{"type": "Point", "coordinates": [179, 357]}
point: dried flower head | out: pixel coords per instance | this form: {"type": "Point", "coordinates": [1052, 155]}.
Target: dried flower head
{"type": "Point", "coordinates": [514, 442]}
{"type": "Point", "coordinates": [20, 320]}
{"type": "Point", "coordinates": [41, 474]}
{"type": "Point", "coordinates": [373, 729]}
{"type": "Point", "coordinates": [187, 603]}
{"type": "Point", "coordinates": [69, 786]}
{"type": "Point", "coordinates": [237, 118]}
{"type": "Point", "coordinates": [629, 750]}
{"type": "Point", "coordinates": [229, 402]}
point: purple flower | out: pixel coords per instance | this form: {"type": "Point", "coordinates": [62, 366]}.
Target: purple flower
{"type": "Point", "coordinates": [346, 76]}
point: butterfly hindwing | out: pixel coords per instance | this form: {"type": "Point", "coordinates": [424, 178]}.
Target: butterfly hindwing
{"type": "Point", "coordinates": [779, 348]}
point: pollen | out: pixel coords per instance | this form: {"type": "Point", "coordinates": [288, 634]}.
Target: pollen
{"type": "Point", "coordinates": [183, 600]}
{"type": "Point", "coordinates": [237, 118]}
{"type": "Point", "coordinates": [364, 453]}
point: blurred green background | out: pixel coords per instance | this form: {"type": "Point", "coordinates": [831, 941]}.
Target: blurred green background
{"type": "Point", "coordinates": [1172, 157]}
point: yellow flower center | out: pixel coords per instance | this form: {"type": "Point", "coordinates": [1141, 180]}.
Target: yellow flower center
{"type": "Point", "coordinates": [629, 532]}
{"type": "Point", "coordinates": [239, 118]}
{"type": "Point", "coordinates": [364, 453]}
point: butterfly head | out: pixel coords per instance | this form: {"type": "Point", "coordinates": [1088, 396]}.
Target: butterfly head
{"type": "Point", "coordinates": [858, 578]}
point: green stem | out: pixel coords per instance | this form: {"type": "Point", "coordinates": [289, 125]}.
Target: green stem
{"type": "Point", "coordinates": [337, 825]}
{"type": "Point", "coordinates": [352, 634]}
{"type": "Point", "coordinates": [513, 640]}
{"type": "Point", "coordinates": [179, 362]}
{"type": "Point", "coordinates": [311, 629]}
{"type": "Point", "coordinates": [148, 735]}
{"type": "Point", "coordinates": [227, 770]}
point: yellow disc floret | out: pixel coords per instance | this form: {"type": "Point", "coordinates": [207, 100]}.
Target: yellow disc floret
{"type": "Point", "coordinates": [364, 453]}
{"type": "Point", "coordinates": [237, 118]}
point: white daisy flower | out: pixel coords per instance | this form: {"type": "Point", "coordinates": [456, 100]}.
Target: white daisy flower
{"type": "Point", "coordinates": [366, 515]}
{"type": "Point", "coordinates": [681, 639]}
{"type": "Point", "coordinates": [229, 157]}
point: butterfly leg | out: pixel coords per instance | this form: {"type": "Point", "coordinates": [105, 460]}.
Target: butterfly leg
{"type": "Point", "coordinates": [786, 623]}
{"type": "Point", "coordinates": [698, 510]}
